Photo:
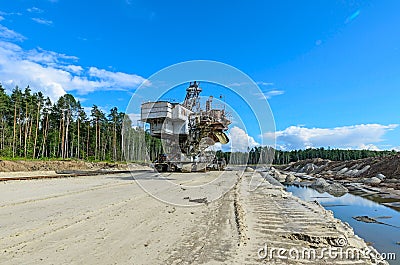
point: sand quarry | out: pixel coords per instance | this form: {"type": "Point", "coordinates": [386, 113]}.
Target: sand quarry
{"type": "Point", "coordinates": [176, 218]}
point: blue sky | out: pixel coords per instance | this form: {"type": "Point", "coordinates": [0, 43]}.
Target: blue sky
{"type": "Point", "coordinates": [330, 69]}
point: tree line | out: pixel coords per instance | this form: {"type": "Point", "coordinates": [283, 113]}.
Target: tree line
{"type": "Point", "coordinates": [33, 127]}
{"type": "Point", "coordinates": [266, 155]}
{"type": "Point", "coordinates": [285, 157]}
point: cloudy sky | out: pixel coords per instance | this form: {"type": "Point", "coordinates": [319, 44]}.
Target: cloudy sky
{"type": "Point", "coordinates": [330, 70]}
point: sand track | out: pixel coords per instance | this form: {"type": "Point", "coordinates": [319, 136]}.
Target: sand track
{"type": "Point", "coordinates": [109, 219]}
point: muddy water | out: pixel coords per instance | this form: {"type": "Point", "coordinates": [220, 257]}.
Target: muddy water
{"type": "Point", "coordinates": [384, 237]}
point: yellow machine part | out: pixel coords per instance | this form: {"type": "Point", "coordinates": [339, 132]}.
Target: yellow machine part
{"type": "Point", "coordinates": [222, 138]}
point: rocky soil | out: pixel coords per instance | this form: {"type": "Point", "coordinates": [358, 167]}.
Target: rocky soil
{"type": "Point", "coordinates": [375, 172]}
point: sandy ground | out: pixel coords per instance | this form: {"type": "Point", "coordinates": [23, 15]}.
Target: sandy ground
{"type": "Point", "coordinates": [110, 219]}
{"type": "Point", "coordinates": [53, 165]}
{"type": "Point", "coordinates": [27, 174]}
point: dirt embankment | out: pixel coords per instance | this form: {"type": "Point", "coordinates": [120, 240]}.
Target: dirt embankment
{"type": "Point", "coordinates": [15, 166]}
{"type": "Point", "coordinates": [377, 171]}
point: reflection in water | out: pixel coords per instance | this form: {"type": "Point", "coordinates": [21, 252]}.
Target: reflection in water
{"type": "Point", "coordinates": [382, 237]}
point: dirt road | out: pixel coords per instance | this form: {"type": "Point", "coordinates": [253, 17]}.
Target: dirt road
{"type": "Point", "coordinates": [110, 219]}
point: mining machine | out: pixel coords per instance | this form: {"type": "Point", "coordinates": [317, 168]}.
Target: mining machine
{"type": "Point", "coordinates": [187, 131]}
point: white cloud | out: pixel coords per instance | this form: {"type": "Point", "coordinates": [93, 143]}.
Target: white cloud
{"type": "Point", "coordinates": [272, 93]}
{"type": "Point", "coordinates": [76, 69]}
{"type": "Point", "coordinates": [237, 84]}
{"type": "Point", "coordinates": [48, 58]}
{"type": "Point", "coordinates": [43, 21]}
{"type": "Point", "coordinates": [352, 16]}
{"type": "Point", "coordinates": [34, 10]}
{"type": "Point", "coordinates": [115, 78]}
{"type": "Point", "coordinates": [262, 94]}
{"type": "Point", "coordinates": [135, 118]}
{"type": "Point", "coordinates": [2, 13]}
{"type": "Point", "coordinates": [351, 137]}
{"type": "Point", "coordinates": [82, 38]}
{"type": "Point", "coordinates": [262, 83]}
{"type": "Point", "coordinates": [239, 140]}
{"type": "Point", "coordinates": [87, 110]}
{"type": "Point", "coordinates": [54, 73]}
{"type": "Point", "coordinates": [9, 34]}
{"type": "Point", "coordinates": [269, 94]}
{"type": "Point", "coordinates": [371, 147]}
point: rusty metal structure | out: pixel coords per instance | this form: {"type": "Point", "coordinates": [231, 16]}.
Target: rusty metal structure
{"type": "Point", "coordinates": [187, 131]}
